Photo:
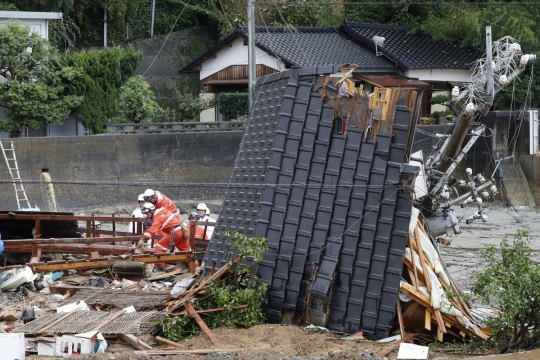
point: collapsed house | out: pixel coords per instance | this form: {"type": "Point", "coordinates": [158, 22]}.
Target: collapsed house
{"type": "Point", "coordinates": [322, 174]}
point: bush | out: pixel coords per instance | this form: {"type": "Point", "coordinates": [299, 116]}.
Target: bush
{"type": "Point", "coordinates": [238, 289]}
{"type": "Point", "coordinates": [511, 283]}
{"type": "Point", "coordinates": [105, 71]}
{"type": "Point", "coordinates": [233, 105]}
{"type": "Point", "coordinates": [136, 103]}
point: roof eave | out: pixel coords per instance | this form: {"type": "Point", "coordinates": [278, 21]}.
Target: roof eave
{"type": "Point", "coordinates": [191, 67]}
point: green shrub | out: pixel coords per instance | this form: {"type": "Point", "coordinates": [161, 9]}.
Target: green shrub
{"type": "Point", "coordinates": [105, 71]}
{"type": "Point", "coordinates": [511, 283]}
{"type": "Point", "coordinates": [239, 288]}
{"type": "Point", "coordinates": [233, 105]}
{"type": "Point", "coordinates": [136, 103]}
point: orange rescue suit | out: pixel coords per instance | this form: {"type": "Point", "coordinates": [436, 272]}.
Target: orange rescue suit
{"type": "Point", "coordinates": [165, 221]}
{"type": "Point", "coordinates": [164, 202]}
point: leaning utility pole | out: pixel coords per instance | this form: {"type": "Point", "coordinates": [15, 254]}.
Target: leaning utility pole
{"type": "Point", "coordinates": [252, 60]}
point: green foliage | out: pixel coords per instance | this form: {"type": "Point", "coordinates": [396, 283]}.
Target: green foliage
{"type": "Point", "coordinates": [511, 283]}
{"type": "Point", "coordinates": [189, 107]}
{"type": "Point", "coordinates": [136, 103]}
{"type": "Point", "coordinates": [39, 88]}
{"type": "Point", "coordinates": [104, 73]}
{"type": "Point", "coordinates": [232, 293]}
{"type": "Point", "coordinates": [233, 105]}
{"type": "Point", "coordinates": [439, 99]}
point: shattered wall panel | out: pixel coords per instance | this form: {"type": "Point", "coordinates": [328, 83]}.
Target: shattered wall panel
{"type": "Point", "coordinates": [331, 205]}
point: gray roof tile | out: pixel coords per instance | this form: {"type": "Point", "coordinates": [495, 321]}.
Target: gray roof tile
{"type": "Point", "coordinates": [413, 49]}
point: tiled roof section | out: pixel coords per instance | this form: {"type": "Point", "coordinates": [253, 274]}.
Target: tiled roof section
{"type": "Point", "coordinates": [315, 46]}
{"type": "Point", "coordinates": [331, 207]}
{"type": "Point", "coordinates": [413, 49]}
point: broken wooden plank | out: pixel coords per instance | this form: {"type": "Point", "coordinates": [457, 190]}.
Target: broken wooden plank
{"type": "Point", "coordinates": [400, 319]}
{"type": "Point", "coordinates": [177, 303]}
{"type": "Point", "coordinates": [135, 342]}
{"type": "Point", "coordinates": [409, 290]}
{"type": "Point", "coordinates": [106, 262]}
{"type": "Point", "coordinates": [164, 275]}
{"type": "Point", "coordinates": [169, 342]}
{"type": "Point", "coordinates": [395, 345]}
{"type": "Point", "coordinates": [201, 323]}
{"type": "Point", "coordinates": [74, 249]}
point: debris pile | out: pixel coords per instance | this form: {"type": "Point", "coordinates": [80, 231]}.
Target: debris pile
{"type": "Point", "coordinates": [430, 303]}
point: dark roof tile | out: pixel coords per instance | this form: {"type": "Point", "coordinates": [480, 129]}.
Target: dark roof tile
{"type": "Point", "coordinates": [413, 49]}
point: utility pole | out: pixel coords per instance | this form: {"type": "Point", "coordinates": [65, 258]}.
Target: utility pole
{"type": "Point", "coordinates": [490, 92]}
{"type": "Point", "coordinates": [105, 27]}
{"type": "Point", "coordinates": [252, 59]}
{"type": "Point", "coordinates": [152, 20]}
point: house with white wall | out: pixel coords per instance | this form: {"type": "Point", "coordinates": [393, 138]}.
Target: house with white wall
{"type": "Point", "coordinates": [434, 67]}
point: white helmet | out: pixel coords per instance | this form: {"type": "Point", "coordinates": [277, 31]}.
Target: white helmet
{"type": "Point", "coordinates": [148, 207]}
{"type": "Point", "coordinates": [148, 193]}
{"type": "Point", "coordinates": [140, 198]}
{"type": "Point", "coordinates": [202, 206]}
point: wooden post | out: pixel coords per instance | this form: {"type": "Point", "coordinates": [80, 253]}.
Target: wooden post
{"type": "Point", "coordinates": [192, 231]}
{"type": "Point", "coordinates": [201, 323]}
{"type": "Point", "coordinates": [37, 230]}
{"type": "Point", "coordinates": [88, 228]}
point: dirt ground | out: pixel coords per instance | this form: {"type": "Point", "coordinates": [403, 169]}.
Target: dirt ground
{"type": "Point", "coordinates": [270, 341]}
{"type": "Point", "coordinates": [276, 342]}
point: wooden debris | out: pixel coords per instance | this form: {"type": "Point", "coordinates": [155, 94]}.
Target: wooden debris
{"type": "Point", "coordinates": [169, 342]}
{"type": "Point", "coordinates": [395, 345]}
{"type": "Point", "coordinates": [420, 312]}
{"type": "Point", "coordinates": [135, 342]}
{"type": "Point", "coordinates": [201, 323]}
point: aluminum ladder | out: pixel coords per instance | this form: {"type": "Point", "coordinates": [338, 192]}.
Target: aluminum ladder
{"type": "Point", "coordinates": [11, 162]}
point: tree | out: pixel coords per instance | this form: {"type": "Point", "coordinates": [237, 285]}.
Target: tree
{"type": "Point", "coordinates": [104, 72]}
{"type": "Point", "coordinates": [137, 103]}
{"type": "Point", "coordinates": [38, 88]}
{"type": "Point", "coordinates": [233, 105]}
{"type": "Point", "coordinates": [511, 283]}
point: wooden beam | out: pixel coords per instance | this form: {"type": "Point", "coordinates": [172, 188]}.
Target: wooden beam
{"type": "Point", "coordinates": [105, 262]}
{"type": "Point", "coordinates": [426, 302]}
{"type": "Point", "coordinates": [201, 323]}
{"type": "Point", "coordinates": [408, 313]}
{"type": "Point", "coordinates": [71, 249]}
{"type": "Point", "coordinates": [14, 216]}
{"type": "Point", "coordinates": [87, 240]}
{"type": "Point", "coordinates": [400, 319]}
{"type": "Point", "coordinates": [169, 342]}
{"type": "Point", "coordinates": [135, 341]}
{"type": "Point", "coordinates": [427, 320]}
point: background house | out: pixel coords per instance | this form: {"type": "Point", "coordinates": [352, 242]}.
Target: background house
{"type": "Point", "coordinates": [403, 56]}
{"type": "Point", "coordinates": [39, 22]}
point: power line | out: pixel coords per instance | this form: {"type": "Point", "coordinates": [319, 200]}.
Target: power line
{"type": "Point", "coordinates": [428, 3]}
{"type": "Point", "coordinates": [166, 38]}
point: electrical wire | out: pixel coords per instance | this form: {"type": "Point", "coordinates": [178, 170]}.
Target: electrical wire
{"type": "Point", "coordinates": [292, 35]}
{"type": "Point", "coordinates": [166, 38]}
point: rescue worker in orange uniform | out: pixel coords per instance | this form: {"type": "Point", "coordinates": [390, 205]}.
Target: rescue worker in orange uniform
{"type": "Point", "coordinates": [159, 200]}
{"type": "Point", "coordinates": [170, 225]}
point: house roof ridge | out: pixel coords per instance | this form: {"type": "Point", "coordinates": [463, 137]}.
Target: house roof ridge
{"type": "Point", "coordinates": [285, 29]}
{"type": "Point", "coordinates": [379, 26]}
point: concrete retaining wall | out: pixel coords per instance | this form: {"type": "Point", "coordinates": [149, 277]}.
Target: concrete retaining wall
{"type": "Point", "coordinates": [154, 159]}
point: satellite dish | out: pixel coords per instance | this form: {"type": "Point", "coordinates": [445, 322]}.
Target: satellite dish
{"type": "Point", "coordinates": [379, 41]}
